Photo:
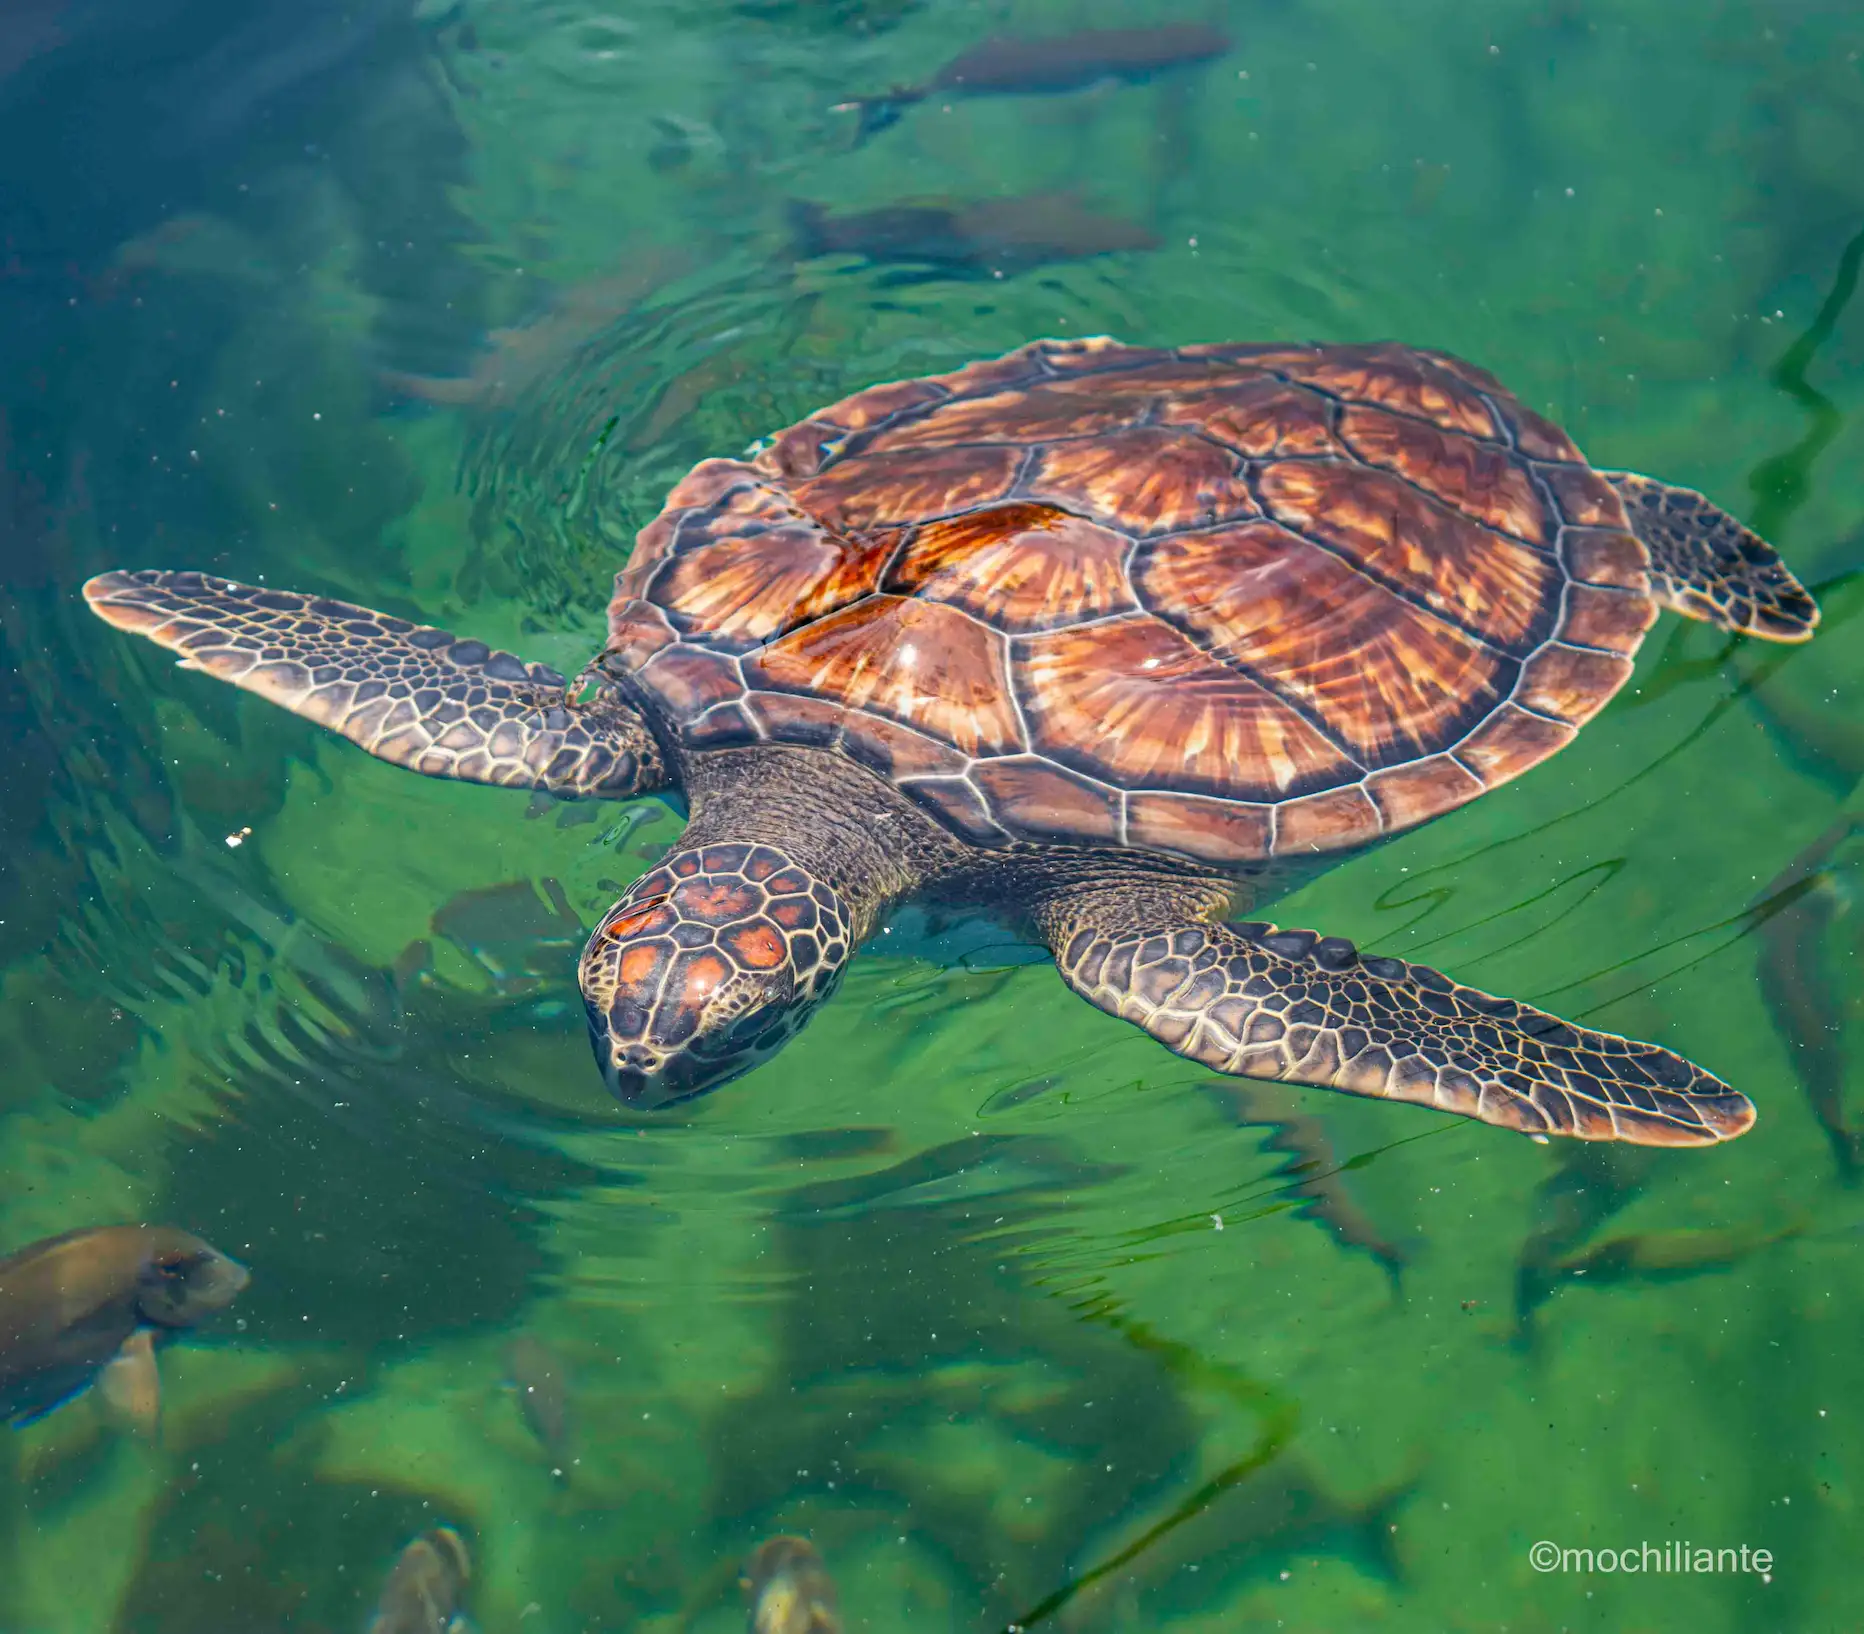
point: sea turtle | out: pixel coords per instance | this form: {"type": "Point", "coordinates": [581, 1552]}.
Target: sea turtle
{"type": "Point", "coordinates": [1111, 641]}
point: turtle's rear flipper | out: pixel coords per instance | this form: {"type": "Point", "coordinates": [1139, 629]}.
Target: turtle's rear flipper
{"type": "Point", "coordinates": [1266, 1003]}
{"type": "Point", "coordinates": [1706, 565]}
{"type": "Point", "coordinates": [412, 695]}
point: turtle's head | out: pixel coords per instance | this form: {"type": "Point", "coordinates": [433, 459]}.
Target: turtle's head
{"type": "Point", "coordinates": [707, 967]}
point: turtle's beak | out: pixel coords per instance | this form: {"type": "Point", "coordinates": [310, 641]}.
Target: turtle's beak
{"type": "Point", "coordinates": [649, 1079]}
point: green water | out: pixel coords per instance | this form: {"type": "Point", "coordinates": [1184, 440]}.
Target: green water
{"type": "Point", "coordinates": [427, 309]}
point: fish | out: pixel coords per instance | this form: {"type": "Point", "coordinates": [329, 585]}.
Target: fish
{"type": "Point", "coordinates": [991, 236]}
{"type": "Point", "coordinates": [789, 1590]}
{"type": "Point", "coordinates": [130, 1385]}
{"type": "Point", "coordinates": [1802, 989]}
{"type": "Point", "coordinates": [517, 357]}
{"type": "Point", "coordinates": [425, 1587]}
{"type": "Point", "coordinates": [511, 933]}
{"type": "Point", "coordinates": [1005, 65]}
{"type": "Point", "coordinates": [1587, 1186]}
{"type": "Point", "coordinates": [538, 1374]}
{"type": "Point", "coordinates": [1314, 1167]}
{"type": "Point", "coordinates": [92, 1306]}
{"type": "Point", "coordinates": [1658, 1256]}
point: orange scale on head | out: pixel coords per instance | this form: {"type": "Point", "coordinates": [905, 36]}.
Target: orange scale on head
{"type": "Point", "coordinates": [702, 975]}
{"type": "Point", "coordinates": [641, 964]}
{"type": "Point", "coordinates": [794, 913]}
{"type": "Point", "coordinates": [787, 883]}
{"type": "Point", "coordinates": [650, 916]}
{"type": "Point", "coordinates": [716, 902]}
{"type": "Point", "coordinates": [756, 947]}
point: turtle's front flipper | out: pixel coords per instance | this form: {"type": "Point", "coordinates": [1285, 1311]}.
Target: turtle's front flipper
{"type": "Point", "coordinates": [408, 694]}
{"type": "Point", "coordinates": [1266, 1003]}
{"type": "Point", "coordinates": [1706, 565]}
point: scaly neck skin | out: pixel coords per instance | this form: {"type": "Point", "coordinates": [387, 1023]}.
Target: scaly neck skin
{"type": "Point", "coordinates": [849, 827]}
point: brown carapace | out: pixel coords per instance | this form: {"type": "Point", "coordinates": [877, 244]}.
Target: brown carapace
{"type": "Point", "coordinates": [1105, 639]}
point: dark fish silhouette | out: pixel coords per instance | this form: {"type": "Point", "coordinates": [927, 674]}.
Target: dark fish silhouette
{"type": "Point", "coordinates": [1314, 1166]}
{"type": "Point", "coordinates": [1006, 66]}
{"type": "Point", "coordinates": [511, 933]}
{"type": "Point", "coordinates": [970, 240]}
{"type": "Point", "coordinates": [1586, 1187]}
{"type": "Point", "coordinates": [538, 1374]}
{"type": "Point", "coordinates": [425, 1587]}
{"type": "Point", "coordinates": [1805, 993]}
{"type": "Point", "coordinates": [1656, 1256]}
{"type": "Point", "coordinates": [94, 1304]}
{"type": "Point", "coordinates": [789, 1589]}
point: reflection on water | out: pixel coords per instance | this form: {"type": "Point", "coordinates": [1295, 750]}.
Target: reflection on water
{"type": "Point", "coordinates": [1015, 1316]}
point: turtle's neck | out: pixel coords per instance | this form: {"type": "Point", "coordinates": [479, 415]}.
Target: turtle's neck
{"type": "Point", "coordinates": [847, 825]}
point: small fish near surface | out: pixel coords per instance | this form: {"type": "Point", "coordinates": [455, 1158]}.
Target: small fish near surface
{"type": "Point", "coordinates": [1803, 981]}
{"type": "Point", "coordinates": [977, 240]}
{"type": "Point", "coordinates": [426, 1587]}
{"type": "Point", "coordinates": [516, 937]}
{"type": "Point", "coordinates": [1658, 1256]}
{"type": "Point", "coordinates": [538, 1375]}
{"type": "Point", "coordinates": [90, 1307]}
{"type": "Point", "coordinates": [789, 1589]}
{"type": "Point", "coordinates": [1315, 1173]}
{"type": "Point", "coordinates": [1004, 65]}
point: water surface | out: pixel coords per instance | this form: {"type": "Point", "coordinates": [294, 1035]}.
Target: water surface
{"type": "Point", "coordinates": [426, 307]}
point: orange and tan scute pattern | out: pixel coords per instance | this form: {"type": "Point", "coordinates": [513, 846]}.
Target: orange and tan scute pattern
{"type": "Point", "coordinates": [1224, 602]}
